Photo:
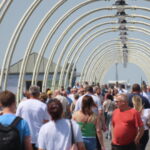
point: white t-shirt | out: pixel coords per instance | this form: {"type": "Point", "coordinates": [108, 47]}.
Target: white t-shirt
{"type": "Point", "coordinates": [71, 96]}
{"type": "Point", "coordinates": [122, 91]}
{"type": "Point", "coordinates": [34, 112]}
{"type": "Point", "coordinates": [145, 115]}
{"type": "Point", "coordinates": [95, 98]}
{"type": "Point", "coordinates": [57, 135]}
{"type": "Point", "coordinates": [146, 95]}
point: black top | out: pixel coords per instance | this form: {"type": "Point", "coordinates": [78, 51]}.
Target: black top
{"type": "Point", "coordinates": [145, 101]}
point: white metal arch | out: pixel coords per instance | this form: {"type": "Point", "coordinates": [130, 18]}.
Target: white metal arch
{"type": "Point", "coordinates": [55, 79]}
{"type": "Point", "coordinates": [31, 44]}
{"type": "Point", "coordinates": [44, 46]}
{"type": "Point", "coordinates": [132, 28]}
{"type": "Point", "coordinates": [69, 54]}
{"type": "Point", "coordinates": [13, 42]}
{"type": "Point", "coordinates": [103, 60]}
{"type": "Point", "coordinates": [104, 67]}
{"type": "Point", "coordinates": [4, 6]}
{"type": "Point", "coordinates": [18, 30]}
{"type": "Point", "coordinates": [95, 52]}
{"type": "Point", "coordinates": [134, 61]}
{"type": "Point", "coordinates": [127, 8]}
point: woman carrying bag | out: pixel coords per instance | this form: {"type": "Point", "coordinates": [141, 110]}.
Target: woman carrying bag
{"type": "Point", "coordinates": [58, 134]}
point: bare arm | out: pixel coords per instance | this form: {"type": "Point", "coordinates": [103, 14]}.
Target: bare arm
{"type": "Point", "coordinates": [112, 133]}
{"type": "Point", "coordinates": [139, 134]}
{"type": "Point", "coordinates": [27, 143]}
{"type": "Point", "coordinates": [80, 146]}
{"type": "Point", "coordinates": [99, 133]}
{"type": "Point", "coordinates": [102, 119]}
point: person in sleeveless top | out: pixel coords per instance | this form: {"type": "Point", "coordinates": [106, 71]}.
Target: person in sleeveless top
{"type": "Point", "coordinates": [89, 123]}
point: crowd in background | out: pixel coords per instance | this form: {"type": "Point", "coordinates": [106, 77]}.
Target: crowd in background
{"type": "Point", "coordinates": [79, 118]}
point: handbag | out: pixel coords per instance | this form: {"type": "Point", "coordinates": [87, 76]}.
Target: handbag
{"type": "Point", "coordinates": [74, 146]}
{"type": "Point", "coordinates": [72, 133]}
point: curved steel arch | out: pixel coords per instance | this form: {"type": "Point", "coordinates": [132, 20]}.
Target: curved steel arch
{"type": "Point", "coordinates": [54, 50]}
{"type": "Point", "coordinates": [96, 34]}
{"type": "Point", "coordinates": [31, 44]}
{"type": "Point", "coordinates": [13, 41]}
{"type": "Point", "coordinates": [49, 36]}
{"type": "Point", "coordinates": [106, 67]}
{"type": "Point", "coordinates": [102, 56]}
{"type": "Point", "coordinates": [92, 56]}
{"type": "Point", "coordinates": [11, 56]}
{"type": "Point", "coordinates": [144, 68]}
{"type": "Point", "coordinates": [55, 80]}
{"type": "Point", "coordinates": [96, 63]}
{"type": "Point", "coordinates": [3, 8]}
{"type": "Point", "coordinates": [101, 60]}
{"type": "Point", "coordinates": [113, 8]}
{"type": "Point", "coordinates": [64, 50]}
{"type": "Point", "coordinates": [46, 41]}
{"type": "Point", "coordinates": [104, 72]}
{"type": "Point", "coordinates": [93, 38]}
{"type": "Point", "coordinates": [60, 80]}
{"type": "Point", "coordinates": [68, 55]}
{"type": "Point", "coordinates": [113, 57]}
{"type": "Point", "coordinates": [86, 63]}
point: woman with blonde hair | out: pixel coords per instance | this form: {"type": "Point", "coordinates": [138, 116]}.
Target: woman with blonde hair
{"type": "Point", "coordinates": [145, 116]}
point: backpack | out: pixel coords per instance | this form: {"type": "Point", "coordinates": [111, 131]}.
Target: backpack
{"type": "Point", "coordinates": [9, 136]}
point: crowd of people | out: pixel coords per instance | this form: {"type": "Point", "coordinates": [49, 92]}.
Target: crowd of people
{"type": "Point", "coordinates": [77, 118]}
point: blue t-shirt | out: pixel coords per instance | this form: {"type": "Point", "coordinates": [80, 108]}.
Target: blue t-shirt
{"type": "Point", "coordinates": [22, 125]}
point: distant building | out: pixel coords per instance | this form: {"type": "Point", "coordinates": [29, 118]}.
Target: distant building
{"type": "Point", "coordinates": [14, 72]}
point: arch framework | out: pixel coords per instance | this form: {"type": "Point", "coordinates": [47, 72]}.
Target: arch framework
{"type": "Point", "coordinates": [74, 41]}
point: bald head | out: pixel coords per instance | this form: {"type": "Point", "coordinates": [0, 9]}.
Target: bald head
{"type": "Point", "coordinates": [122, 97]}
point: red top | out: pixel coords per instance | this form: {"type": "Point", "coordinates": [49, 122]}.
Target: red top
{"type": "Point", "coordinates": [125, 126]}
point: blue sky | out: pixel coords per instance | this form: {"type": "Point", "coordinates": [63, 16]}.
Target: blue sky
{"type": "Point", "coordinates": [132, 73]}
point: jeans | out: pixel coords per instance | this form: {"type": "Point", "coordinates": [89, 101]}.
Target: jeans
{"type": "Point", "coordinates": [90, 143]}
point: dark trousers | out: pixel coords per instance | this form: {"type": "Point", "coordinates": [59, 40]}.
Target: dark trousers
{"type": "Point", "coordinates": [98, 144]}
{"type": "Point", "coordinates": [144, 140]}
{"type": "Point", "coordinates": [34, 148]}
{"type": "Point", "coordinates": [131, 146]}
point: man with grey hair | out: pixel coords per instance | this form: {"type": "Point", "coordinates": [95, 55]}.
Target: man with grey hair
{"type": "Point", "coordinates": [34, 112]}
{"type": "Point", "coordinates": [63, 100]}
{"type": "Point", "coordinates": [127, 126]}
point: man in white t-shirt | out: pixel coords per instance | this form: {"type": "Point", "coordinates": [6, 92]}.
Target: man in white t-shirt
{"type": "Point", "coordinates": [98, 110]}
{"type": "Point", "coordinates": [34, 112]}
{"type": "Point", "coordinates": [89, 91]}
{"type": "Point", "coordinates": [73, 92]}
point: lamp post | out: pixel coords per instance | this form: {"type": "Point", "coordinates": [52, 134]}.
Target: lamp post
{"type": "Point", "coordinates": [116, 74]}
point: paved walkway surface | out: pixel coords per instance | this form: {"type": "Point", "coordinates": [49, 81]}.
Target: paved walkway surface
{"type": "Point", "coordinates": [108, 144]}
